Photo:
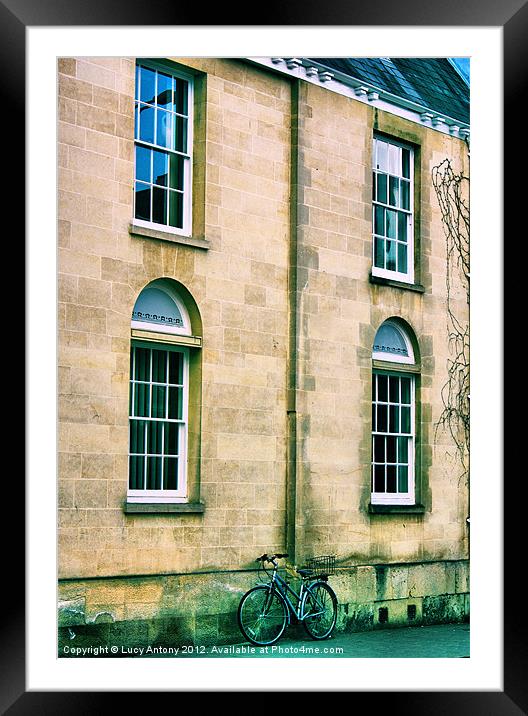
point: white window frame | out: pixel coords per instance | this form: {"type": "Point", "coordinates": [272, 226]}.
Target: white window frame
{"type": "Point", "coordinates": [395, 498]}
{"type": "Point", "coordinates": [407, 277]}
{"type": "Point", "coordinates": [186, 229]}
{"type": "Point", "coordinates": [166, 496]}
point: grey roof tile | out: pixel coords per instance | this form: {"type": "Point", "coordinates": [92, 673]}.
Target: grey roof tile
{"type": "Point", "coordinates": [432, 82]}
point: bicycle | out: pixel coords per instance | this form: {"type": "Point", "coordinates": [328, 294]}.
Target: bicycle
{"type": "Point", "coordinates": [266, 610]}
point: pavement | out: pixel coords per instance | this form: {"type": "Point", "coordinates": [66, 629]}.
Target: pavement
{"type": "Point", "coordinates": [438, 641]}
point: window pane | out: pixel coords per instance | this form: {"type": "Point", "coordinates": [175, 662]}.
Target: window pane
{"type": "Point", "coordinates": [136, 472]}
{"type": "Point", "coordinates": [154, 437]}
{"type": "Point", "coordinates": [153, 473]}
{"type": "Point", "coordinates": [142, 363]}
{"type": "Point", "coordinates": [391, 478]}
{"type": "Point", "coordinates": [175, 403]}
{"type": "Point", "coordinates": [136, 121]}
{"type": "Point", "coordinates": [394, 159]}
{"type": "Point", "coordinates": [176, 172]}
{"type": "Point", "coordinates": [164, 98]}
{"type": "Point", "coordinates": [175, 368]}
{"type": "Point", "coordinates": [137, 436]}
{"type": "Point", "coordinates": [403, 482]}
{"type": "Point", "coordinates": [406, 165]}
{"type": "Point", "coordinates": [379, 478]}
{"type": "Point", "coordinates": [142, 199]}
{"type": "Point", "coordinates": [161, 168]}
{"type": "Point", "coordinates": [180, 135]}
{"type": "Point", "coordinates": [181, 91]}
{"type": "Point", "coordinates": [391, 449]}
{"type": "Point", "coordinates": [402, 258]}
{"type": "Point", "coordinates": [379, 448]}
{"type": "Point", "coordinates": [172, 431]}
{"type": "Point", "coordinates": [402, 226]}
{"type": "Point", "coordinates": [382, 388]}
{"type": "Point", "coordinates": [394, 389]}
{"type": "Point", "coordinates": [394, 419]}
{"type": "Point", "coordinates": [159, 401]}
{"type": "Point", "coordinates": [405, 195]}
{"type": "Point", "coordinates": [382, 161]}
{"type": "Point", "coordinates": [390, 257]}
{"type": "Point", "coordinates": [394, 186]}
{"type": "Point", "coordinates": [405, 420]}
{"type": "Point", "coordinates": [379, 253]}
{"type": "Point", "coordinates": [176, 209]}
{"type": "Point", "coordinates": [403, 450]}
{"type": "Point", "coordinates": [382, 419]}
{"type": "Point", "coordinates": [159, 205]}
{"type": "Point", "coordinates": [148, 85]}
{"type": "Point", "coordinates": [159, 366]}
{"type": "Point", "coordinates": [382, 188]}
{"type": "Point", "coordinates": [143, 164]}
{"type": "Point", "coordinates": [164, 128]}
{"type": "Point", "coordinates": [406, 390]}
{"type": "Point", "coordinates": [142, 400]}
{"type": "Point", "coordinates": [392, 217]}
{"type": "Point", "coordinates": [146, 123]}
{"type": "Point", "coordinates": [374, 187]}
{"type": "Point", "coordinates": [170, 473]}
{"type": "Point", "coordinates": [374, 417]}
{"type": "Point", "coordinates": [138, 69]}
{"type": "Point", "coordinates": [379, 221]}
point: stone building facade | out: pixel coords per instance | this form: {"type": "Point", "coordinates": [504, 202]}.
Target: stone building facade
{"type": "Point", "coordinates": [258, 231]}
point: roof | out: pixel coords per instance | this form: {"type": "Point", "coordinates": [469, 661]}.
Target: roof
{"type": "Point", "coordinates": [434, 83]}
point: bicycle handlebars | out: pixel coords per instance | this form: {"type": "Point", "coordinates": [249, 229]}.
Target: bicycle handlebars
{"type": "Point", "coordinates": [270, 557]}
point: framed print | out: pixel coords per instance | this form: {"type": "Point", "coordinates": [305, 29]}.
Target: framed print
{"type": "Point", "coordinates": [162, 375]}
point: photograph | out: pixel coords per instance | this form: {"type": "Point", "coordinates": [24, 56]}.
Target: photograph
{"type": "Point", "coordinates": [263, 356]}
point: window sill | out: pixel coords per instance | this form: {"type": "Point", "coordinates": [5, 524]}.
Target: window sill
{"type": "Point", "coordinates": [151, 508]}
{"type": "Point", "coordinates": [383, 281]}
{"type": "Point", "coordinates": [396, 509]}
{"type": "Point", "coordinates": [147, 233]}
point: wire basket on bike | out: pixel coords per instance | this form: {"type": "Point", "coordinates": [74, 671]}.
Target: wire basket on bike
{"type": "Point", "coordinates": [323, 565]}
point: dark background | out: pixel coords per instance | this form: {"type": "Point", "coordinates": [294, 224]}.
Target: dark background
{"type": "Point", "coordinates": [15, 16]}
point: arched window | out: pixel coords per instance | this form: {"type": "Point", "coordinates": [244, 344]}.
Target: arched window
{"type": "Point", "coordinates": [393, 416]}
{"type": "Point", "coordinates": [159, 396]}
{"type": "Point", "coordinates": [159, 308]}
{"type": "Point", "coordinates": [392, 344]}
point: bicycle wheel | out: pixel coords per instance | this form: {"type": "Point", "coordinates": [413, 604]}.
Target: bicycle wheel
{"type": "Point", "coordinates": [319, 606]}
{"type": "Point", "coordinates": [262, 615]}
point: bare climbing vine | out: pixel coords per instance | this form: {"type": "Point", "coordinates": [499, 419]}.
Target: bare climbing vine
{"type": "Point", "coordinates": [452, 191]}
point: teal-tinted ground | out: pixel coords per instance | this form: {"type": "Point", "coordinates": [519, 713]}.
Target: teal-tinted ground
{"type": "Point", "coordinates": [438, 641]}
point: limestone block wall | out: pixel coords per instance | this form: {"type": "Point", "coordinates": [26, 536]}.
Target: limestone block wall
{"type": "Point", "coordinates": [177, 610]}
{"type": "Point", "coordinates": [339, 310]}
{"type": "Point", "coordinates": [269, 208]}
{"type": "Point", "coordinates": [239, 285]}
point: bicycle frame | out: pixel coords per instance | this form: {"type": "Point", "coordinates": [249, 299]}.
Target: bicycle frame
{"type": "Point", "coordinates": [278, 583]}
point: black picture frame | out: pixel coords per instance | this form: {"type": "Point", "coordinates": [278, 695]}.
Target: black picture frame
{"type": "Point", "coordinates": [512, 16]}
